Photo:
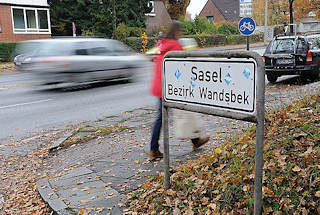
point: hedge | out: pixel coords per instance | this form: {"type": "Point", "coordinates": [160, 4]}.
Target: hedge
{"type": "Point", "coordinates": [6, 51]}
{"type": "Point", "coordinates": [203, 40]}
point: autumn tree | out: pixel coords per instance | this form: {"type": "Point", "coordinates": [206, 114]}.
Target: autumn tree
{"type": "Point", "coordinates": [177, 8]}
{"type": "Point", "coordinates": [278, 10]}
{"type": "Point", "coordinates": [302, 8]}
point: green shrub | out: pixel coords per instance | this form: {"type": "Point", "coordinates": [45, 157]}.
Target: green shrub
{"type": "Point", "coordinates": [136, 43]}
{"type": "Point", "coordinates": [227, 29]}
{"type": "Point", "coordinates": [158, 31]}
{"type": "Point", "coordinates": [199, 26]}
{"type": "Point", "coordinates": [122, 32]}
{"type": "Point", "coordinates": [88, 33]}
{"type": "Point", "coordinates": [7, 51]}
{"type": "Point", "coordinates": [135, 32]}
{"type": "Point", "coordinates": [220, 39]}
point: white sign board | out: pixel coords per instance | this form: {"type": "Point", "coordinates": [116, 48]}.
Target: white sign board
{"type": "Point", "coordinates": [213, 82]}
{"type": "Point", "coordinates": [245, 7]}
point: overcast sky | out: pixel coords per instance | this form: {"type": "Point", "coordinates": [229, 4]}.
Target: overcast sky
{"type": "Point", "coordinates": [195, 7]}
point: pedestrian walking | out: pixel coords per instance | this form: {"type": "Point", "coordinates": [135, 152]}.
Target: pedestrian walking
{"type": "Point", "coordinates": [170, 42]}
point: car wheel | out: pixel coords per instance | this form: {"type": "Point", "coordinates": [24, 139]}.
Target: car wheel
{"type": "Point", "coordinates": [272, 78]}
{"type": "Point", "coordinates": [314, 76]}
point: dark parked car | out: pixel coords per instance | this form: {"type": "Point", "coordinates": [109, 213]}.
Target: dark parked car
{"type": "Point", "coordinates": [78, 60]}
{"type": "Point", "coordinates": [293, 55]}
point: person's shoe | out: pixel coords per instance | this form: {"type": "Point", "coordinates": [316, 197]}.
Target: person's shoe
{"type": "Point", "coordinates": [155, 154]}
{"type": "Point", "coordinates": [202, 141]}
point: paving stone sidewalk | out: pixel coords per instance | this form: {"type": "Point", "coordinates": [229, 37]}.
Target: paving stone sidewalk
{"type": "Point", "coordinates": [103, 170]}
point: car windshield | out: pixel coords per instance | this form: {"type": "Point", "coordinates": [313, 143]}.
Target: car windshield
{"type": "Point", "coordinates": [282, 46]}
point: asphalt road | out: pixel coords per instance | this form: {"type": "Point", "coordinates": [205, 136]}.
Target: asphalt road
{"type": "Point", "coordinates": [25, 108]}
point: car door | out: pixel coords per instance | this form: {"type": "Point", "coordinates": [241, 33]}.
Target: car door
{"type": "Point", "coordinates": [108, 62]}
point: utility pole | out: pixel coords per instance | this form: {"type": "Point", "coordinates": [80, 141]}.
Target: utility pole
{"type": "Point", "coordinates": [114, 19]}
{"type": "Point", "coordinates": [265, 22]}
{"type": "Point", "coordinates": [291, 16]}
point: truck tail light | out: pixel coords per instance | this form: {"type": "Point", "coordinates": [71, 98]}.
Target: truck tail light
{"type": "Point", "coordinates": [309, 58]}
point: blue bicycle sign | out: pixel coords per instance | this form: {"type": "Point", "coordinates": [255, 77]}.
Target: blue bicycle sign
{"type": "Point", "coordinates": [246, 26]}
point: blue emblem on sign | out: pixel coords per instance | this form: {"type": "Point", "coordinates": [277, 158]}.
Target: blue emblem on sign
{"type": "Point", "coordinates": [246, 26]}
{"type": "Point", "coordinates": [228, 79]}
{"type": "Point", "coordinates": [246, 73]}
{"type": "Point", "coordinates": [192, 82]}
{"type": "Point", "coordinates": [177, 74]}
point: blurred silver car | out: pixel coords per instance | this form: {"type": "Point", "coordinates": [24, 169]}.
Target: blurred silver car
{"type": "Point", "coordinates": [78, 60]}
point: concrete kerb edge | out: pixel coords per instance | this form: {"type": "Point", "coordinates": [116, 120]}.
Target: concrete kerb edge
{"type": "Point", "coordinates": [60, 141]}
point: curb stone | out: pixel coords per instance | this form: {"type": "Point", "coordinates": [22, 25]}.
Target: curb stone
{"type": "Point", "coordinates": [49, 196]}
{"type": "Point", "coordinates": [60, 141]}
{"type": "Point", "coordinates": [76, 193]}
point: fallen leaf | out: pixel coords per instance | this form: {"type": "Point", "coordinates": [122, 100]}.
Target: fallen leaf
{"type": "Point", "coordinates": [218, 150]}
{"type": "Point", "coordinates": [296, 169]}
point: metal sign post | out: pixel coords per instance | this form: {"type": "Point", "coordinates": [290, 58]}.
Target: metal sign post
{"type": "Point", "coordinates": [227, 84]}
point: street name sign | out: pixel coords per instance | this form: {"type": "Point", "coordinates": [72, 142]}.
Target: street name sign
{"type": "Point", "coordinates": [212, 82]}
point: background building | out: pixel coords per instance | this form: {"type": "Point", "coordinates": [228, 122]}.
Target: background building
{"type": "Point", "coordinates": [24, 20]}
{"type": "Point", "coordinates": [221, 10]}
{"type": "Point", "coordinates": [159, 15]}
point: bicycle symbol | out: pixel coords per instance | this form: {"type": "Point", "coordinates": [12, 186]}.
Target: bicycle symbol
{"type": "Point", "coordinates": [246, 25]}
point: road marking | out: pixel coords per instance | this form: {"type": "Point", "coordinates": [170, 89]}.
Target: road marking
{"type": "Point", "coordinates": [26, 103]}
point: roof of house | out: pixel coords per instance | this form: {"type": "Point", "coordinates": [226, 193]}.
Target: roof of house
{"type": "Point", "coordinates": [228, 8]}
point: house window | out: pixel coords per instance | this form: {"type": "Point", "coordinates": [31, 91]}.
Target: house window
{"type": "Point", "coordinates": [152, 12]}
{"type": "Point", "coordinates": [210, 18]}
{"type": "Point", "coordinates": [30, 20]}
{"type": "Point", "coordinates": [18, 19]}
{"type": "Point", "coordinates": [43, 23]}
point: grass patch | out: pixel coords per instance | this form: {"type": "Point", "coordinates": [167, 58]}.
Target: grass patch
{"type": "Point", "coordinates": [94, 133]}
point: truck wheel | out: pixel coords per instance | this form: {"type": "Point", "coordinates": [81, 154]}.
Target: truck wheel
{"type": "Point", "coordinates": [272, 78]}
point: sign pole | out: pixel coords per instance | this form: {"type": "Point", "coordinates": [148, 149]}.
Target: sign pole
{"type": "Point", "coordinates": [247, 43]}
{"type": "Point", "coordinates": [166, 147]}
{"type": "Point", "coordinates": [259, 145]}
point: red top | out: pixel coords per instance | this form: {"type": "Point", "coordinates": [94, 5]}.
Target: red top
{"type": "Point", "coordinates": [165, 45]}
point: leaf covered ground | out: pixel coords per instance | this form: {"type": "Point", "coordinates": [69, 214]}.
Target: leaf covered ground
{"type": "Point", "coordinates": [7, 67]}
{"type": "Point", "coordinates": [222, 181]}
